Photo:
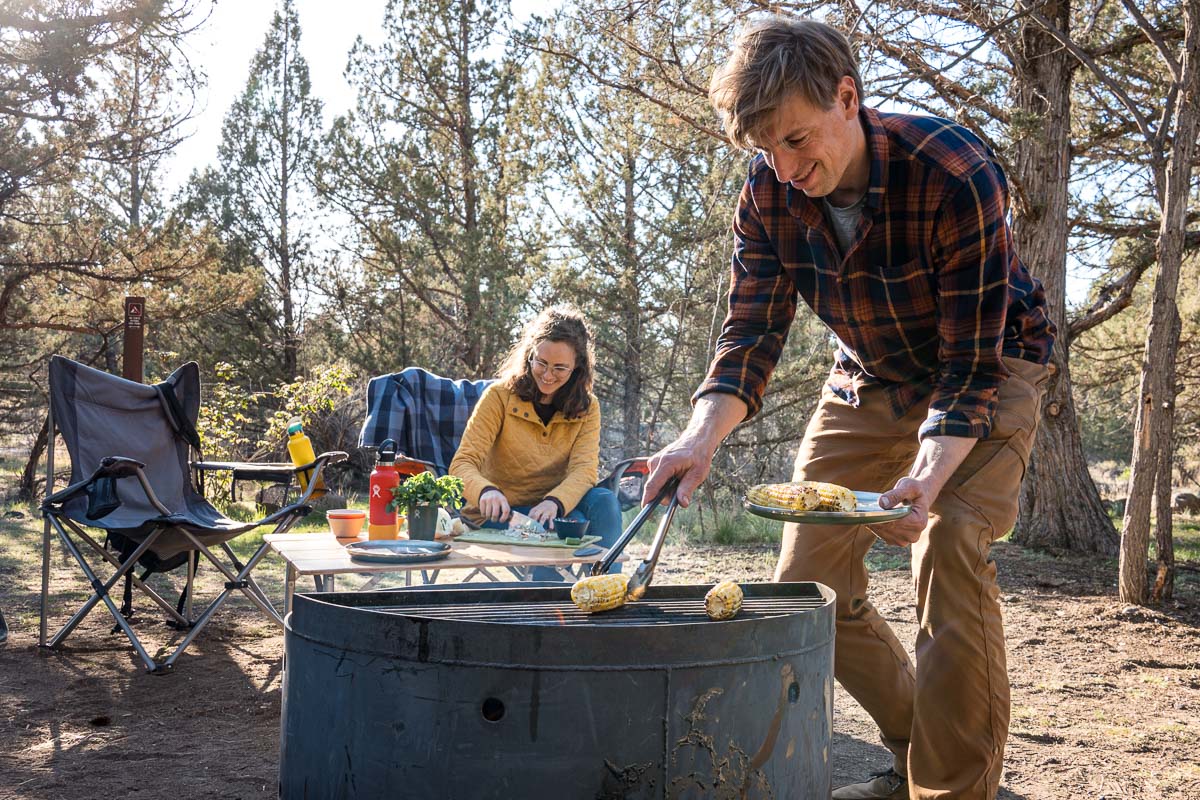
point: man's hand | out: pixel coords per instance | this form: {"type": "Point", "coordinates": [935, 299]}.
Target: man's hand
{"type": "Point", "coordinates": [690, 456]}
{"type": "Point", "coordinates": [688, 460]}
{"type": "Point", "coordinates": [544, 512]}
{"type": "Point", "coordinates": [494, 505]}
{"type": "Point", "coordinates": [907, 529]}
{"type": "Point", "coordinates": [937, 459]}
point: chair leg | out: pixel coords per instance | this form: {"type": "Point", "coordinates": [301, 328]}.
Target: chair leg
{"type": "Point", "coordinates": [44, 605]}
{"type": "Point", "coordinates": [251, 584]}
{"type": "Point", "coordinates": [241, 579]}
{"type": "Point", "coordinates": [107, 555]}
{"type": "Point", "coordinates": [100, 592]}
{"type": "Point", "coordinates": [193, 562]}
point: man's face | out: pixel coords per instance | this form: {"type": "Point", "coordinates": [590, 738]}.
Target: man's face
{"type": "Point", "coordinates": [812, 147]}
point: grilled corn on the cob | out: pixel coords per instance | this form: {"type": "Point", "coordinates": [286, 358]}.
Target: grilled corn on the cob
{"type": "Point", "coordinates": [795, 496]}
{"type": "Point", "coordinates": [600, 592]}
{"type": "Point", "coordinates": [723, 601]}
{"type": "Point", "coordinates": [803, 496]}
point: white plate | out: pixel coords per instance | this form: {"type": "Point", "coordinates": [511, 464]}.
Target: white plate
{"type": "Point", "coordinates": [868, 511]}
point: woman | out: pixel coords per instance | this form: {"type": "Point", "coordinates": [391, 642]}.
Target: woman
{"type": "Point", "coordinates": [533, 441]}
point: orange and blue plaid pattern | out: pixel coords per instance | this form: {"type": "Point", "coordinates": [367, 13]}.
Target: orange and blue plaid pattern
{"type": "Point", "coordinates": [928, 297]}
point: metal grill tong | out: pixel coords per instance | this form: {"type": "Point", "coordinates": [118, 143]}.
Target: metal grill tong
{"type": "Point", "coordinates": [645, 571]}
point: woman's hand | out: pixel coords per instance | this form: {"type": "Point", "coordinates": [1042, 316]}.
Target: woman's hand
{"type": "Point", "coordinates": [494, 505]}
{"type": "Point", "coordinates": [545, 512]}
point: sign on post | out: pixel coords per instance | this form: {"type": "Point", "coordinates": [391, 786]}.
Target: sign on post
{"type": "Point", "coordinates": [135, 326]}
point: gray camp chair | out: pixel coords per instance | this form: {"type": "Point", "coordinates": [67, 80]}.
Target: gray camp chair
{"type": "Point", "coordinates": [131, 478]}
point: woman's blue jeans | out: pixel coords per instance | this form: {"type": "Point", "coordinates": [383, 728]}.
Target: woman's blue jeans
{"type": "Point", "coordinates": [600, 506]}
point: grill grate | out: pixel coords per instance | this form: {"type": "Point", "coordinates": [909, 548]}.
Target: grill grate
{"type": "Point", "coordinates": [643, 612]}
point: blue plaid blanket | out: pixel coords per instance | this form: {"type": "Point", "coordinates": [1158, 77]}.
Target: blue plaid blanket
{"type": "Point", "coordinates": [424, 413]}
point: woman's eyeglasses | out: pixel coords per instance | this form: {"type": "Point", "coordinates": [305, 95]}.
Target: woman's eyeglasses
{"type": "Point", "coordinates": [540, 367]}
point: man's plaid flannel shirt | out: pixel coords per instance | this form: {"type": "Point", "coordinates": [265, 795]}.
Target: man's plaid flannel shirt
{"type": "Point", "coordinates": [927, 299]}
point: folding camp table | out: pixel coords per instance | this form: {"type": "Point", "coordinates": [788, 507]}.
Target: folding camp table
{"type": "Point", "coordinates": [321, 556]}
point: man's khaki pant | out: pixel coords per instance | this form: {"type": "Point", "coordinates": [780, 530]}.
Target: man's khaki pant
{"type": "Point", "coordinates": [947, 720]}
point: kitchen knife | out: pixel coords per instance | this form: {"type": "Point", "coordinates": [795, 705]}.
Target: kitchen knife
{"type": "Point", "coordinates": [519, 520]}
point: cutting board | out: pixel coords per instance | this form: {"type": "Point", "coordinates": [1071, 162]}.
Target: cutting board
{"type": "Point", "coordinates": [486, 536]}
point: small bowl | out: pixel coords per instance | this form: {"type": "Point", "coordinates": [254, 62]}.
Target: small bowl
{"type": "Point", "coordinates": [346, 523]}
{"type": "Point", "coordinates": [571, 528]}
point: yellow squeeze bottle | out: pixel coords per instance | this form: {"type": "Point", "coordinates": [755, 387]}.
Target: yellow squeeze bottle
{"type": "Point", "coordinates": [301, 450]}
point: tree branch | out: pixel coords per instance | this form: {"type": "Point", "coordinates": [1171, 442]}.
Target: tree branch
{"type": "Point", "coordinates": [1085, 59]}
{"type": "Point", "coordinates": [1154, 36]}
{"type": "Point", "coordinates": [1117, 295]}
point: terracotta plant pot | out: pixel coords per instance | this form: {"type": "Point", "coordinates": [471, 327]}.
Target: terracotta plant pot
{"type": "Point", "coordinates": [346, 523]}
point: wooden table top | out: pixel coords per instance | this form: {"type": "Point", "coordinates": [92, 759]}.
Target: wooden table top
{"type": "Point", "coordinates": [321, 554]}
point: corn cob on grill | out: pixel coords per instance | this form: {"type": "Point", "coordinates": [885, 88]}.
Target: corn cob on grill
{"type": "Point", "coordinates": [600, 592]}
{"type": "Point", "coordinates": [723, 601]}
{"type": "Point", "coordinates": [803, 496]}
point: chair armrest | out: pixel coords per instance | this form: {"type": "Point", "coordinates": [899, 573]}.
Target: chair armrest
{"type": "Point", "coordinates": [101, 489]}
{"type": "Point", "coordinates": [317, 467]}
{"type": "Point", "coordinates": [111, 467]}
{"type": "Point", "coordinates": [266, 472]}
{"type": "Point", "coordinates": [269, 471]}
{"type": "Point", "coordinates": [118, 467]}
{"type": "Point", "coordinates": [638, 466]}
{"type": "Point", "coordinates": [65, 494]}
{"type": "Point", "coordinates": [630, 466]}
{"type": "Point", "coordinates": [407, 467]}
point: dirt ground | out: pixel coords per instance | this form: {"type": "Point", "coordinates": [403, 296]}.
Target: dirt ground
{"type": "Point", "coordinates": [1106, 699]}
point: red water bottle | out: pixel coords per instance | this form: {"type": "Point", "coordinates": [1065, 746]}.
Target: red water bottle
{"type": "Point", "coordinates": [381, 523]}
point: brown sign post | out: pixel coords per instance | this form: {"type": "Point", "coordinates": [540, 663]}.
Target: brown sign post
{"type": "Point", "coordinates": [135, 326]}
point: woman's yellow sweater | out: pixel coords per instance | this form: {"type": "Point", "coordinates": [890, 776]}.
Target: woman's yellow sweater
{"type": "Point", "coordinates": [505, 445]}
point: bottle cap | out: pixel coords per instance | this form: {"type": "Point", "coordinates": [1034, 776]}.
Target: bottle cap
{"type": "Point", "coordinates": [387, 452]}
{"type": "Point", "coordinates": [294, 426]}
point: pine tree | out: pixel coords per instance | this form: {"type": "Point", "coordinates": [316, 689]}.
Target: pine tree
{"type": "Point", "coordinates": [432, 166]}
{"type": "Point", "coordinates": [260, 193]}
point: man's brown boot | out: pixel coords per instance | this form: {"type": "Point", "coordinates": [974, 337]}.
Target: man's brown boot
{"type": "Point", "coordinates": [888, 785]}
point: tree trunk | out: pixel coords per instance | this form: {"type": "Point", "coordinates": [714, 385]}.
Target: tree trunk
{"type": "Point", "coordinates": [135, 160]}
{"type": "Point", "coordinates": [630, 302]}
{"type": "Point", "coordinates": [291, 345]}
{"type": "Point", "coordinates": [1060, 506]}
{"type": "Point", "coordinates": [1164, 579]}
{"type": "Point", "coordinates": [476, 355]}
{"type": "Point", "coordinates": [1153, 449]}
{"type": "Point", "coordinates": [29, 474]}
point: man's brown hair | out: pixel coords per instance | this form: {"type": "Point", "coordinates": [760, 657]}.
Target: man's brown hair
{"type": "Point", "coordinates": [773, 58]}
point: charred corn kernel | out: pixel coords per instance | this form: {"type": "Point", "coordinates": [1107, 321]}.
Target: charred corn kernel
{"type": "Point", "coordinates": [803, 496]}
{"type": "Point", "coordinates": [600, 592]}
{"type": "Point", "coordinates": [835, 498]}
{"type": "Point", "coordinates": [793, 496]}
{"type": "Point", "coordinates": [723, 601]}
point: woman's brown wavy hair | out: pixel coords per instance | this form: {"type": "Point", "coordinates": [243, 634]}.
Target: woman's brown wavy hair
{"type": "Point", "coordinates": [561, 323]}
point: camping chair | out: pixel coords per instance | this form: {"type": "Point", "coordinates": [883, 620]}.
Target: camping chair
{"type": "Point", "coordinates": [426, 415]}
{"type": "Point", "coordinates": [130, 477]}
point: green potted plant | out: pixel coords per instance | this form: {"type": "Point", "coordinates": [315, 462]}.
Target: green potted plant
{"type": "Point", "coordinates": [421, 496]}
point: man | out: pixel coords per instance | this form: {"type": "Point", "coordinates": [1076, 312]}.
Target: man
{"type": "Point", "coordinates": [893, 229]}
